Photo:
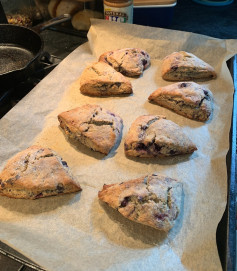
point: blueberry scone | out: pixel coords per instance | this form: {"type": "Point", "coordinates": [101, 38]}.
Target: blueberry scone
{"type": "Point", "coordinates": [155, 136]}
{"type": "Point", "coordinates": [36, 172]}
{"type": "Point", "coordinates": [128, 61]}
{"type": "Point", "coordinates": [153, 200]}
{"type": "Point", "coordinates": [100, 79]}
{"type": "Point", "coordinates": [188, 99]}
{"type": "Point", "coordinates": [182, 66]}
{"type": "Point", "coordinates": [92, 125]}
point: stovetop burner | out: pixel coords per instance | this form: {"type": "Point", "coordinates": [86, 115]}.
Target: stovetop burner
{"type": "Point", "coordinates": [10, 97]}
{"type": "Point", "coordinates": [59, 44]}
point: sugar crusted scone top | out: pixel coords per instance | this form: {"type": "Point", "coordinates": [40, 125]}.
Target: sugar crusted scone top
{"type": "Point", "coordinates": [90, 114]}
{"type": "Point", "coordinates": [184, 59]}
{"type": "Point", "coordinates": [100, 71]}
{"type": "Point", "coordinates": [153, 200]}
{"type": "Point", "coordinates": [129, 61]}
{"type": "Point", "coordinates": [148, 128]}
{"type": "Point", "coordinates": [36, 168]}
{"type": "Point", "coordinates": [190, 92]}
{"type": "Point", "coordinates": [141, 187]}
{"type": "Point", "coordinates": [94, 126]}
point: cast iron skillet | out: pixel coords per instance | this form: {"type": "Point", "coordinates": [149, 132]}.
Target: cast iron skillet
{"type": "Point", "coordinates": [20, 48]}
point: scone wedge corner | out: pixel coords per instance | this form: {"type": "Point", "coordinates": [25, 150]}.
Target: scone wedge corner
{"type": "Point", "coordinates": [129, 61]}
{"type": "Point", "coordinates": [100, 79]}
{"type": "Point", "coordinates": [188, 99]}
{"type": "Point", "coordinates": [36, 172]}
{"type": "Point", "coordinates": [183, 66]}
{"type": "Point", "coordinates": [153, 200]}
{"type": "Point", "coordinates": [155, 136]}
{"type": "Point", "coordinates": [97, 128]}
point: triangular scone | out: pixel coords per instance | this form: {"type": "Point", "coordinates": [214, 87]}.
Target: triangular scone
{"type": "Point", "coordinates": [36, 172]}
{"type": "Point", "coordinates": [188, 99]}
{"type": "Point", "coordinates": [155, 136]}
{"type": "Point", "coordinates": [100, 79]}
{"type": "Point", "coordinates": [181, 66]}
{"type": "Point", "coordinates": [92, 125]}
{"type": "Point", "coordinates": [128, 61]}
{"type": "Point", "coordinates": [153, 200]}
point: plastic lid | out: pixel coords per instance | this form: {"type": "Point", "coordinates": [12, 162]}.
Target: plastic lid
{"type": "Point", "coordinates": [214, 3]}
{"type": "Point", "coordinates": [118, 1]}
{"type": "Point", "coordinates": [153, 2]}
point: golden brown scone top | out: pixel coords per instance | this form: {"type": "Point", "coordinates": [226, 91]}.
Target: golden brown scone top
{"type": "Point", "coordinates": [100, 79]}
{"type": "Point", "coordinates": [185, 66]}
{"type": "Point", "coordinates": [36, 172]}
{"type": "Point", "coordinates": [153, 200]}
{"type": "Point", "coordinates": [155, 136]}
{"type": "Point", "coordinates": [94, 126]}
{"type": "Point", "coordinates": [188, 99]}
{"type": "Point", "coordinates": [190, 92]}
{"type": "Point", "coordinates": [128, 61]}
{"type": "Point", "coordinates": [103, 72]}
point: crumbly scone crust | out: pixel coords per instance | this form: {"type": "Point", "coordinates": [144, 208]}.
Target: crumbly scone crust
{"type": "Point", "coordinates": [181, 66]}
{"type": "Point", "coordinates": [100, 79]}
{"type": "Point", "coordinates": [155, 136]}
{"type": "Point", "coordinates": [35, 173]}
{"type": "Point", "coordinates": [153, 200]}
{"type": "Point", "coordinates": [188, 99]}
{"type": "Point", "coordinates": [92, 125]}
{"type": "Point", "coordinates": [128, 61]}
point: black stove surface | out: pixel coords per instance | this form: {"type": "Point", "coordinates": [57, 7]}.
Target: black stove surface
{"type": "Point", "coordinates": [58, 44]}
{"type": "Point", "coordinates": [10, 97]}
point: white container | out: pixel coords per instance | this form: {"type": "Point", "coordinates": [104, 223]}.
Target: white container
{"type": "Point", "coordinates": [119, 12]}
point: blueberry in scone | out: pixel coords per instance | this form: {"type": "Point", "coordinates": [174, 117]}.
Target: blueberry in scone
{"type": "Point", "coordinates": [95, 127]}
{"type": "Point", "coordinates": [129, 61]}
{"type": "Point", "coordinates": [155, 136]}
{"type": "Point", "coordinates": [154, 200]}
{"type": "Point", "coordinates": [36, 172]}
{"type": "Point", "coordinates": [182, 66]}
{"type": "Point", "coordinates": [100, 79]}
{"type": "Point", "coordinates": [188, 99]}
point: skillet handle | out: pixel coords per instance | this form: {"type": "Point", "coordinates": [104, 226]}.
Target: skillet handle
{"type": "Point", "coordinates": [57, 20]}
{"type": "Point", "coordinates": [3, 18]}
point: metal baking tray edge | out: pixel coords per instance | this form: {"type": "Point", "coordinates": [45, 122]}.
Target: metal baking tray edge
{"type": "Point", "coordinates": [231, 203]}
{"type": "Point", "coordinates": [16, 256]}
{"type": "Point", "coordinates": [226, 230]}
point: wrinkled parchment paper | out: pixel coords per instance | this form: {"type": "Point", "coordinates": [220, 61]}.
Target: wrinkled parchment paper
{"type": "Point", "coordinates": [77, 232]}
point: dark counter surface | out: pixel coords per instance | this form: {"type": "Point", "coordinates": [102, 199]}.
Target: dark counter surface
{"type": "Point", "coordinates": [217, 22]}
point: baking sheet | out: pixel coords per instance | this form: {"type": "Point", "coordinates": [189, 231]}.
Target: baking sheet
{"type": "Point", "coordinates": [77, 232]}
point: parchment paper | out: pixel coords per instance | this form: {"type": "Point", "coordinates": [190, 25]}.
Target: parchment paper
{"type": "Point", "coordinates": [76, 231]}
